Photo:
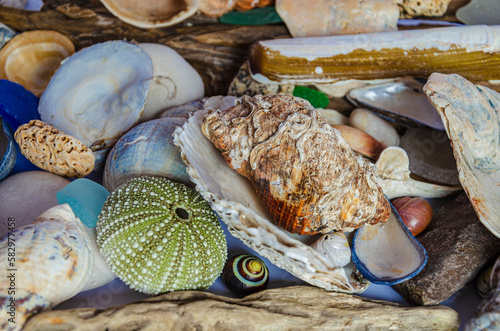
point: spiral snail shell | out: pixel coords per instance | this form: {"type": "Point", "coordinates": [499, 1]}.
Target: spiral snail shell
{"type": "Point", "coordinates": [245, 274]}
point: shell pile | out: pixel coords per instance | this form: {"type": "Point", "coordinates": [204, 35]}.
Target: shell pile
{"type": "Point", "coordinates": [302, 169]}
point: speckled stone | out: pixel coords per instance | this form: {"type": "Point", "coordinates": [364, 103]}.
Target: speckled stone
{"type": "Point", "coordinates": [458, 246]}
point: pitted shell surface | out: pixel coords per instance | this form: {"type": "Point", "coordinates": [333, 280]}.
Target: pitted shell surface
{"type": "Point", "coordinates": [53, 150]}
{"type": "Point", "coordinates": [302, 169]}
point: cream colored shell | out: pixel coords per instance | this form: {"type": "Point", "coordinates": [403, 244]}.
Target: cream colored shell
{"type": "Point", "coordinates": [53, 150]}
{"type": "Point", "coordinates": [471, 117]}
{"type": "Point", "coordinates": [415, 8]}
{"type": "Point", "coordinates": [236, 202]}
{"type": "Point", "coordinates": [53, 262]}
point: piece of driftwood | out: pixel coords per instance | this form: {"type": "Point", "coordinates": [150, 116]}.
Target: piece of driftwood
{"type": "Point", "coordinates": [287, 308]}
{"type": "Point", "coordinates": [215, 50]}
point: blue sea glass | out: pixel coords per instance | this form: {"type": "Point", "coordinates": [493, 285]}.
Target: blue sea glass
{"type": "Point", "coordinates": [86, 198]}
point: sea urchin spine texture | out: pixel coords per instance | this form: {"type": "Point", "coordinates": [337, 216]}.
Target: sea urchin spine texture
{"type": "Point", "coordinates": [245, 274]}
{"type": "Point", "coordinates": [158, 235]}
{"type": "Point", "coordinates": [305, 173]}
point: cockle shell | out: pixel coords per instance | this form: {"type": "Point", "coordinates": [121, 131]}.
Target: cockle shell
{"type": "Point", "coordinates": [158, 235]}
{"type": "Point", "coordinates": [52, 262]}
{"type": "Point", "coordinates": [471, 116]}
{"type": "Point", "coordinates": [53, 150]}
{"type": "Point", "coordinates": [94, 97]}
{"type": "Point", "coordinates": [393, 175]}
{"type": "Point", "coordinates": [151, 13]}
{"type": "Point", "coordinates": [146, 149]}
{"type": "Point", "coordinates": [303, 170]}
{"type": "Point", "coordinates": [470, 51]}
{"type": "Point", "coordinates": [31, 58]}
{"type": "Point", "coordinates": [238, 205]}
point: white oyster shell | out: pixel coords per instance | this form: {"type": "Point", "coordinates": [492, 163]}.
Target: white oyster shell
{"type": "Point", "coordinates": [237, 204]}
{"type": "Point", "coordinates": [98, 93]}
{"type": "Point", "coordinates": [470, 114]}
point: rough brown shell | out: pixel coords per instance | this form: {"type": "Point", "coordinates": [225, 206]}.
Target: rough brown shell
{"type": "Point", "coordinates": [53, 150]}
{"type": "Point", "coordinates": [302, 169]}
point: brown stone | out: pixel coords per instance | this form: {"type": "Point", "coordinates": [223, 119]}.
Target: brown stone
{"type": "Point", "coordinates": [458, 245]}
{"type": "Point", "coordinates": [286, 308]}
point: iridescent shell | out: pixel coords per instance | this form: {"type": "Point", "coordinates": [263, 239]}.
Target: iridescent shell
{"type": "Point", "coordinates": [302, 169]}
{"type": "Point", "coordinates": [94, 97]}
{"type": "Point", "coordinates": [238, 205]}
{"type": "Point", "coordinates": [32, 57]}
{"type": "Point", "coordinates": [471, 117]}
{"type": "Point", "coordinates": [158, 235]}
{"type": "Point", "coordinates": [387, 253]}
{"type": "Point", "coordinates": [245, 274]}
{"type": "Point", "coordinates": [8, 152]}
{"type": "Point", "coordinates": [53, 150]}
{"type": "Point", "coordinates": [53, 262]}
{"type": "Point", "coordinates": [146, 149]}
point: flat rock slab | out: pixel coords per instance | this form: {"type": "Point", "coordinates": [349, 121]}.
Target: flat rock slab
{"type": "Point", "coordinates": [458, 245]}
{"type": "Point", "coordinates": [287, 308]}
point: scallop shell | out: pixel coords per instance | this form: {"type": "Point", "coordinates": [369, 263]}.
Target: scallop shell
{"type": "Point", "coordinates": [53, 150]}
{"type": "Point", "coordinates": [238, 205]}
{"type": "Point", "coordinates": [31, 58]}
{"type": "Point", "coordinates": [393, 175]}
{"type": "Point", "coordinates": [303, 170]}
{"type": "Point", "coordinates": [8, 152]}
{"type": "Point", "coordinates": [53, 262]}
{"type": "Point", "coordinates": [151, 13]}
{"type": "Point", "coordinates": [471, 117]}
{"type": "Point", "coordinates": [387, 253]}
{"type": "Point", "coordinates": [146, 149]}
{"type": "Point", "coordinates": [94, 97]}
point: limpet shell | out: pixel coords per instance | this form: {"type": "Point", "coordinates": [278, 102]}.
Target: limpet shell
{"type": "Point", "coordinates": [32, 57]}
{"type": "Point", "coordinates": [53, 150]}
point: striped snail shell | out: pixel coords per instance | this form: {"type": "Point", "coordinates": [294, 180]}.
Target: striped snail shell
{"type": "Point", "coordinates": [245, 274]}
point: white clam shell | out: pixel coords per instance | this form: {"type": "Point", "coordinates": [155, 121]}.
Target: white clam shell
{"type": "Point", "coordinates": [470, 114]}
{"type": "Point", "coordinates": [393, 175]}
{"type": "Point", "coordinates": [175, 81]}
{"type": "Point", "coordinates": [53, 262]}
{"type": "Point", "coordinates": [237, 204]}
{"type": "Point", "coordinates": [98, 93]}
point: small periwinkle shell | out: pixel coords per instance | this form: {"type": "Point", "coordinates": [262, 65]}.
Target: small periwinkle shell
{"type": "Point", "coordinates": [158, 235]}
{"type": "Point", "coordinates": [245, 274]}
{"type": "Point", "coordinates": [8, 152]}
{"type": "Point", "coordinates": [416, 213]}
{"type": "Point", "coordinates": [334, 247]}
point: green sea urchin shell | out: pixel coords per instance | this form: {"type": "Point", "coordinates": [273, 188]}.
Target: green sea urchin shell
{"type": "Point", "coordinates": [158, 235]}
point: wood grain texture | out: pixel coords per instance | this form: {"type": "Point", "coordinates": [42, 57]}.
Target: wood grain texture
{"type": "Point", "coordinates": [288, 308]}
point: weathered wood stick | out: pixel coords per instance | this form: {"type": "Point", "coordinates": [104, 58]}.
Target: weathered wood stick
{"type": "Point", "coordinates": [297, 308]}
{"type": "Point", "coordinates": [215, 50]}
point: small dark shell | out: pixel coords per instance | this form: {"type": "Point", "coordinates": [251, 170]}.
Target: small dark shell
{"type": "Point", "coordinates": [245, 274]}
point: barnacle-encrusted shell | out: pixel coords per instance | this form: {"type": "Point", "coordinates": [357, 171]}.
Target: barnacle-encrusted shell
{"type": "Point", "coordinates": [53, 261]}
{"type": "Point", "coordinates": [158, 235]}
{"type": "Point", "coordinates": [471, 117]}
{"type": "Point", "coordinates": [307, 176]}
{"type": "Point", "coordinates": [31, 58]}
{"type": "Point", "coordinates": [151, 13]}
{"type": "Point", "coordinates": [238, 205]}
{"type": "Point", "coordinates": [53, 150]}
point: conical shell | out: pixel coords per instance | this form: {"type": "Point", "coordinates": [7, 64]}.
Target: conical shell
{"type": "Point", "coordinates": [302, 169]}
{"type": "Point", "coordinates": [52, 262]}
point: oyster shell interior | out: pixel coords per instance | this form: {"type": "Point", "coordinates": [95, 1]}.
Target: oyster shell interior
{"type": "Point", "coordinates": [387, 253]}
{"type": "Point", "coordinates": [236, 202]}
{"type": "Point", "coordinates": [402, 101]}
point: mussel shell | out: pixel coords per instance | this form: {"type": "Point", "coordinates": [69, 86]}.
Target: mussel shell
{"type": "Point", "coordinates": [8, 152]}
{"type": "Point", "coordinates": [403, 102]}
{"type": "Point", "coordinates": [245, 274]}
{"type": "Point", "coordinates": [146, 149]}
{"type": "Point", "coordinates": [379, 251]}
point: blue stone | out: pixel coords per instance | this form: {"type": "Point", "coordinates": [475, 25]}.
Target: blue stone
{"type": "Point", "coordinates": [85, 198]}
{"type": "Point", "coordinates": [17, 105]}
{"type": "Point", "coordinates": [8, 152]}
